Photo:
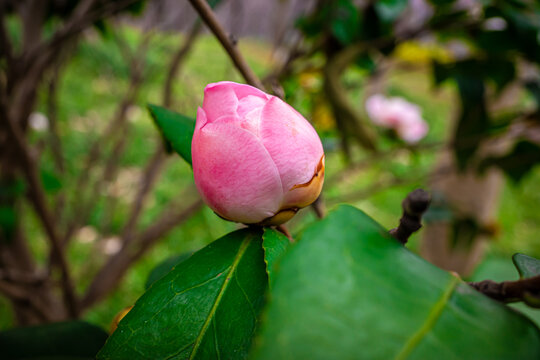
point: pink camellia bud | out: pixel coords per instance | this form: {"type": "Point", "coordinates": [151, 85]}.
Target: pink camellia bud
{"type": "Point", "coordinates": [397, 114]}
{"type": "Point", "coordinates": [256, 160]}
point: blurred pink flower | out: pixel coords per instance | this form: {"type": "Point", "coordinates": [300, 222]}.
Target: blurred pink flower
{"type": "Point", "coordinates": [256, 160]}
{"type": "Point", "coordinates": [398, 114]}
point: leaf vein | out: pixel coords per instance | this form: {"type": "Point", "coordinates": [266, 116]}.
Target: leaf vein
{"type": "Point", "coordinates": [241, 250]}
{"type": "Point", "coordinates": [245, 295]}
{"type": "Point", "coordinates": [431, 319]}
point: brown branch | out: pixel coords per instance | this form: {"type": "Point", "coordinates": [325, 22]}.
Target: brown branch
{"type": "Point", "coordinates": [285, 231]}
{"type": "Point", "coordinates": [13, 291]}
{"type": "Point", "coordinates": [414, 205]}
{"type": "Point", "coordinates": [6, 49]}
{"type": "Point", "coordinates": [347, 118]}
{"type": "Point", "coordinates": [154, 165]}
{"type": "Point", "coordinates": [134, 245]}
{"type": "Point", "coordinates": [20, 295]}
{"type": "Point", "coordinates": [150, 174]}
{"type": "Point", "coordinates": [84, 15]}
{"type": "Point", "coordinates": [509, 291]}
{"type": "Point", "coordinates": [52, 115]}
{"type": "Point", "coordinates": [116, 266]}
{"type": "Point", "coordinates": [96, 150]}
{"type": "Point", "coordinates": [207, 14]}
{"type": "Point", "coordinates": [319, 208]}
{"type": "Point", "coordinates": [177, 61]}
{"type": "Point", "coordinates": [39, 202]}
{"type": "Point", "coordinates": [34, 61]}
{"type": "Point", "coordinates": [377, 158]}
{"type": "Point", "coordinates": [14, 276]}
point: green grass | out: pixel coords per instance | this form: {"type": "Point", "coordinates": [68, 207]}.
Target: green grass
{"type": "Point", "coordinates": [96, 78]}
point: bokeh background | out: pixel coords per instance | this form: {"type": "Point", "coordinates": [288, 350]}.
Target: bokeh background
{"type": "Point", "coordinates": [95, 145]}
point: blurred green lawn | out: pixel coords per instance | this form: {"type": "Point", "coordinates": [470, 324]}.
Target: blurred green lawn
{"type": "Point", "coordinates": [96, 78]}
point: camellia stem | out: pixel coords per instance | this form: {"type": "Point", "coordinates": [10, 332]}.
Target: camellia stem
{"type": "Point", "coordinates": [207, 15]}
{"type": "Point", "coordinates": [414, 205]}
{"type": "Point", "coordinates": [509, 291]}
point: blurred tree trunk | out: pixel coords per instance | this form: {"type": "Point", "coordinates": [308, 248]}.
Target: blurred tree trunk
{"type": "Point", "coordinates": [464, 207]}
{"type": "Point", "coordinates": [470, 201]}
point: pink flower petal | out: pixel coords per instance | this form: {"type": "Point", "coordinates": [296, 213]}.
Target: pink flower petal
{"type": "Point", "coordinates": [235, 174]}
{"type": "Point", "coordinates": [219, 101]}
{"type": "Point", "coordinates": [249, 110]}
{"type": "Point", "coordinates": [375, 108]}
{"type": "Point", "coordinates": [292, 143]}
{"type": "Point", "coordinates": [201, 119]}
{"type": "Point", "coordinates": [241, 90]}
{"type": "Point", "coordinates": [412, 130]}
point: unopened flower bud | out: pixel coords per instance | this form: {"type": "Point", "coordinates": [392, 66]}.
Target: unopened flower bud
{"type": "Point", "coordinates": [256, 160]}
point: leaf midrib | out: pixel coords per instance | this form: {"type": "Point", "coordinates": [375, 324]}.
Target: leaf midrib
{"type": "Point", "coordinates": [430, 321]}
{"type": "Point", "coordinates": [241, 250]}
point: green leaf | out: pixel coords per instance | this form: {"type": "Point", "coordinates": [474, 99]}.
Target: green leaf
{"type": "Point", "coordinates": [63, 340]}
{"type": "Point", "coordinates": [177, 130]}
{"type": "Point", "coordinates": [517, 163]}
{"type": "Point", "coordinates": [527, 266]}
{"type": "Point", "coordinates": [348, 290]}
{"type": "Point", "coordinates": [275, 244]}
{"type": "Point", "coordinates": [346, 22]}
{"type": "Point", "coordinates": [205, 308]}
{"type": "Point", "coordinates": [164, 267]}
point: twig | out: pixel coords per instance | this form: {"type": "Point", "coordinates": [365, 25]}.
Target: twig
{"type": "Point", "coordinates": [414, 205]}
{"type": "Point", "coordinates": [177, 61]}
{"type": "Point", "coordinates": [133, 245]}
{"type": "Point", "coordinates": [285, 231]}
{"type": "Point", "coordinates": [509, 291]}
{"type": "Point", "coordinates": [318, 207]}
{"type": "Point", "coordinates": [6, 49]}
{"type": "Point", "coordinates": [376, 158]}
{"type": "Point", "coordinates": [14, 276]}
{"type": "Point", "coordinates": [19, 295]}
{"type": "Point", "coordinates": [347, 118]}
{"type": "Point", "coordinates": [150, 174]}
{"type": "Point", "coordinates": [96, 150]}
{"type": "Point", "coordinates": [116, 266]}
{"type": "Point", "coordinates": [205, 12]}
{"type": "Point", "coordinates": [39, 202]}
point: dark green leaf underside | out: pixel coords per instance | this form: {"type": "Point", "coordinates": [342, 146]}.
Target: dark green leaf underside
{"type": "Point", "coordinates": [348, 290]}
{"type": "Point", "coordinates": [274, 244]}
{"type": "Point", "coordinates": [176, 129]}
{"type": "Point", "coordinates": [205, 308]}
{"type": "Point", "coordinates": [63, 340]}
{"type": "Point", "coordinates": [527, 266]}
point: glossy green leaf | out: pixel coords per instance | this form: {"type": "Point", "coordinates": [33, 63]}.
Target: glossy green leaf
{"type": "Point", "coordinates": [164, 267]}
{"type": "Point", "coordinates": [527, 266]}
{"type": "Point", "coordinates": [347, 290]}
{"type": "Point", "coordinates": [177, 130]}
{"type": "Point", "coordinates": [205, 308]}
{"type": "Point", "coordinates": [63, 340]}
{"type": "Point", "coordinates": [275, 244]}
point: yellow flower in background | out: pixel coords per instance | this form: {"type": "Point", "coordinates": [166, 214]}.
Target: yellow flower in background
{"type": "Point", "coordinates": [310, 80]}
{"type": "Point", "coordinates": [422, 53]}
{"type": "Point", "coordinates": [322, 116]}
